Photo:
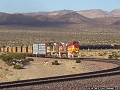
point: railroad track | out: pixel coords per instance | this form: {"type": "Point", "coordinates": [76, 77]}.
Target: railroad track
{"type": "Point", "coordinates": [108, 72]}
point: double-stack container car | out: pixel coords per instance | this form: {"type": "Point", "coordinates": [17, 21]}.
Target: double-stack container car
{"type": "Point", "coordinates": [56, 49]}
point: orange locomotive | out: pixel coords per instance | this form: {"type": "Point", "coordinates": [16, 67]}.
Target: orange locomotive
{"type": "Point", "coordinates": [72, 49]}
{"type": "Point", "coordinates": [69, 50]}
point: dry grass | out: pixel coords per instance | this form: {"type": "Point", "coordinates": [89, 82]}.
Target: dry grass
{"type": "Point", "coordinates": [85, 35]}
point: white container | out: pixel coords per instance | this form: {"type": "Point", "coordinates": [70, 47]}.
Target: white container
{"type": "Point", "coordinates": [35, 48]}
{"type": "Point", "coordinates": [42, 49]}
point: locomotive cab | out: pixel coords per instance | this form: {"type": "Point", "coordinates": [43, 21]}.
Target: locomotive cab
{"type": "Point", "coordinates": [73, 49]}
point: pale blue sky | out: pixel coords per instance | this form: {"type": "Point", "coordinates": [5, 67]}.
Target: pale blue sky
{"type": "Point", "coordinates": [22, 6]}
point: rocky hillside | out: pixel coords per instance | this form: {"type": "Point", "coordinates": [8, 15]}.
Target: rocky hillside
{"type": "Point", "coordinates": [95, 13]}
{"type": "Point", "coordinates": [115, 13]}
{"type": "Point", "coordinates": [108, 20]}
{"type": "Point", "coordinates": [9, 19]}
{"type": "Point", "coordinates": [89, 17]}
{"type": "Point", "coordinates": [41, 20]}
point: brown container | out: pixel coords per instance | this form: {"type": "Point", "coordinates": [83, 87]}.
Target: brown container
{"type": "Point", "coordinates": [19, 49]}
{"type": "Point", "coordinates": [2, 49]}
{"type": "Point", "coordinates": [7, 48]}
{"type": "Point", "coordinates": [10, 49]}
{"type": "Point", "coordinates": [29, 49]}
{"type": "Point", "coordinates": [24, 49]}
{"type": "Point", "coordinates": [14, 49]}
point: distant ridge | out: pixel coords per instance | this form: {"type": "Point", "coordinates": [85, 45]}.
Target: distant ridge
{"type": "Point", "coordinates": [41, 20]}
{"type": "Point", "coordinates": [19, 19]}
{"type": "Point", "coordinates": [73, 17]}
{"type": "Point", "coordinates": [94, 13]}
{"type": "Point", "coordinates": [59, 12]}
{"type": "Point", "coordinates": [94, 18]}
{"type": "Point", "coordinates": [115, 13]}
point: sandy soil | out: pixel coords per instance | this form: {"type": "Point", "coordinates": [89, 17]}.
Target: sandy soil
{"type": "Point", "coordinates": [42, 67]}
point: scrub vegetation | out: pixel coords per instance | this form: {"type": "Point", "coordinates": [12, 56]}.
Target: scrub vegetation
{"type": "Point", "coordinates": [85, 36]}
{"type": "Point", "coordinates": [18, 61]}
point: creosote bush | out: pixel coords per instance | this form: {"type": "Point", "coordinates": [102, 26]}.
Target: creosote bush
{"type": "Point", "coordinates": [18, 67]}
{"type": "Point", "coordinates": [30, 59]}
{"type": "Point", "coordinates": [113, 56]}
{"type": "Point", "coordinates": [26, 61]}
{"type": "Point", "coordinates": [55, 63]}
{"type": "Point", "coordinates": [78, 60]}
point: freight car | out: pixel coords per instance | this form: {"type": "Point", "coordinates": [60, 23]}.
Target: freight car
{"type": "Point", "coordinates": [17, 49]}
{"type": "Point", "coordinates": [56, 49]}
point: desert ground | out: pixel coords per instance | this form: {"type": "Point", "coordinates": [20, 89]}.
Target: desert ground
{"type": "Point", "coordinates": [42, 67]}
{"type": "Point", "coordinates": [99, 53]}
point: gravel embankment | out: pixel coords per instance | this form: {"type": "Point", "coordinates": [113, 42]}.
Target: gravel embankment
{"type": "Point", "coordinates": [100, 83]}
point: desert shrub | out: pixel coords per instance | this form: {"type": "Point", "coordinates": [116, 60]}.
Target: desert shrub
{"type": "Point", "coordinates": [110, 56]}
{"type": "Point", "coordinates": [78, 60]}
{"type": "Point", "coordinates": [10, 56]}
{"type": "Point", "coordinates": [30, 59]}
{"type": "Point", "coordinates": [16, 59]}
{"type": "Point", "coordinates": [18, 67]}
{"type": "Point", "coordinates": [55, 63]}
{"type": "Point", "coordinates": [17, 79]}
{"type": "Point", "coordinates": [26, 61]}
{"type": "Point", "coordinates": [116, 56]}
{"type": "Point", "coordinates": [6, 57]}
{"type": "Point", "coordinates": [113, 56]}
{"type": "Point", "coordinates": [100, 54]}
{"type": "Point", "coordinates": [73, 67]}
{"type": "Point", "coordinates": [18, 56]}
{"type": "Point", "coordinates": [9, 63]}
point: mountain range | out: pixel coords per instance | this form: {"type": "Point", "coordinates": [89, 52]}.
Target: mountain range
{"type": "Point", "coordinates": [55, 18]}
{"type": "Point", "coordinates": [95, 13]}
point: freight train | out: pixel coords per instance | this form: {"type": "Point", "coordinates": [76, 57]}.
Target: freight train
{"type": "Point", "coordinates": [56, 49]}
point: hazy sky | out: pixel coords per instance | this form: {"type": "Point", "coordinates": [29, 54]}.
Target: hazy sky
{"type": "Point", "coordinates": [22, 6]}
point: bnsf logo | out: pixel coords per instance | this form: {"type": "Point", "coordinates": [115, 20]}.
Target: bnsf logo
{"type": "Point", "coordinates": [73, 49]}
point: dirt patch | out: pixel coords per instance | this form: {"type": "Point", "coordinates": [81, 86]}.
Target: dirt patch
{"type": "Point", "coordinates": [42, 67]}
